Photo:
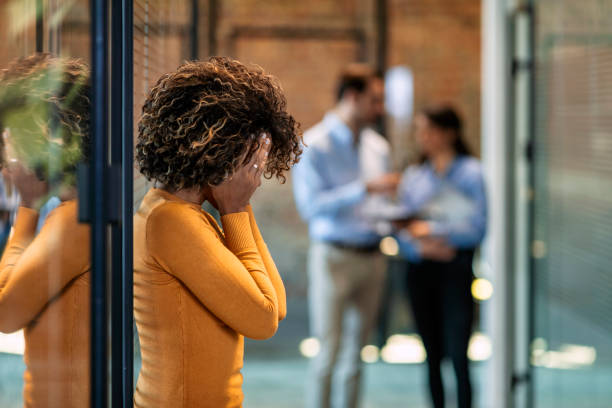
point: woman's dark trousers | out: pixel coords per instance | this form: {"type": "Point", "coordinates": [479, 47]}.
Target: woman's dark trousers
{"type": "Point", "coordinates": [441, 300]}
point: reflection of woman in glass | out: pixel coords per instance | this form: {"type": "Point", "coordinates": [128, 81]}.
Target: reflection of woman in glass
{"type": "Point", "coordinates": [445, 196]}
{"type": "Point", "coordinates": [44, 277]}
{"type": "Point", "coordinates": [208, 132]}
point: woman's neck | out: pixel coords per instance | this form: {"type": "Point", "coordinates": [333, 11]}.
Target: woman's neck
{"type": "Point", "coordinates": [192, 195]}
{"type": "Point", "coordinates": [67, 193]}
{"type": "Point", "coordinates": [442, 160]}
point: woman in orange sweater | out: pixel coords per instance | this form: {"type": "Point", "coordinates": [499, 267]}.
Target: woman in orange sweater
{"type": "Point", "coordinates": [208, 132]}
{"type": "Point", "coordinates": [45, 275]}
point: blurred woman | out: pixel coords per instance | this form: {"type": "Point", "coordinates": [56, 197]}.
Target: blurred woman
{"type": "Point", "coordinates": [445, 198]}
{"type": "Point", "coordinates": [208, 132]}
{"type": "Point", "coordinates": [45, 277]}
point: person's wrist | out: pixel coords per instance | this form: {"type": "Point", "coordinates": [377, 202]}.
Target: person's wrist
{"type": "Point", "coordinates": [25, 203]}
{"type": "Point", "coordinates": [31, 204]}
{"type": "Point", "coordinates": [231, 209]}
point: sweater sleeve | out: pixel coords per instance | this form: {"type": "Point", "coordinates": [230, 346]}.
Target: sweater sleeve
{"type": "Point", "coordinates": [271, 269]}
{"type": "Point", "coordinates": [229, 278]}
{"type": "Point", "coordinates": [35, 270]}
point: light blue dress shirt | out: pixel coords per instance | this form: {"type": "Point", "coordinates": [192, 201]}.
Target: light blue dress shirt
{"type": "Point", "coordinates": [329, 182]}
{"type": "Point", "coordinates": [453, 203]}
{"type": "Point", "coordinates": [9, 202]}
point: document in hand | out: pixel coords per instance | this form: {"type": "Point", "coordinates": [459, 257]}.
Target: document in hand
{"type": "Point", "coordinates": [449, 205]}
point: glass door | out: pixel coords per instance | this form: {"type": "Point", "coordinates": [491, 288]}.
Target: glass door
{"type": "Point", "coordinates": [45, 272]}
{"type": "Point", "coordinates": [66, 203]}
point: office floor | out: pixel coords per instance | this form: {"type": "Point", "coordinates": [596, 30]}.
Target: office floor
{"type": "Point", "coordinates": [272, 383]}
{"type": "Point", "coordinates": [280, 383]}
{"type": "Point", "coordinates": [275, 377]}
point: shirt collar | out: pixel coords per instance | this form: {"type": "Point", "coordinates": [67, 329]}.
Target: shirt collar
{"type": "Point", "coordinates": [449, 170]}
{"type": "Point", "coordinates": [339, 131]}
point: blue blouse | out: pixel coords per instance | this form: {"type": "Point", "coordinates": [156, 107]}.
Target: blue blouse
{"type": "Point", "coordinates": [454, 204]}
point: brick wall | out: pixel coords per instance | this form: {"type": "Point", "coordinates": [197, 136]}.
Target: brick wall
{"type": "Point", "coordinates": [440, 41]}
{"type": "Point", "coordinates": [305, 44]}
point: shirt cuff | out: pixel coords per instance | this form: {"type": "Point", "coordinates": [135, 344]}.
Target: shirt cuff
{"type": "Point", "coordinates": [410, 248]}
{"type": "Point", "coordinates": [439, 229]}
{"type": "Point", "coordinates": [237, 230]}
{"type": "Point", "coordinates": [355, 191]}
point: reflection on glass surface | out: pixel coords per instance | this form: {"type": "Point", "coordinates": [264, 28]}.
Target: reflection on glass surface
{"type": "Point", "coordinates": [45, 266]}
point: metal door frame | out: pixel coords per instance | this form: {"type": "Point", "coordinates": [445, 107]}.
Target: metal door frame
{"type": "Point", "coordinates": [110, 207]}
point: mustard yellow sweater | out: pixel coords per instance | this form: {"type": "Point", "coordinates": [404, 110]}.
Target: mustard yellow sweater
{"type": "Point", "coordinates": [45, 289]}
{"type": "Point", "coordinates": [197, 291]}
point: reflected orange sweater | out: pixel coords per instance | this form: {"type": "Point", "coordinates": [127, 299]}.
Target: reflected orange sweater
{"type": "Point", "coordinates": [45, 288]}
{"type": "Point", "coordinates": [197, 291]}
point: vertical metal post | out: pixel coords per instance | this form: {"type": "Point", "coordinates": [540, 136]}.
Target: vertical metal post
{"type": "Point", "coordinates": [496, 252]}
{"type": "Point", "coordinates": [520, 172]}
{"type": "Point", "coordinates": [128, 203]}
{"type": "Point", "coordinates": [99, 119]}
{"type": "Point", "coordinates": [53, 31]}
{"type": "Point", "coordinates": [39, 25]}
{"type": "Point", "coordinates": [212, 27]}
{"type": "Point", "coordinates": [531, 211]}
{"type": "Point", "coordinates": [381, 34]}
{"type": "Point", "coordinates": [121, 143]}
{"type": "Point", "coordinates": [195, 22]}
{"type": "Point", "coordinates": [381, 49]}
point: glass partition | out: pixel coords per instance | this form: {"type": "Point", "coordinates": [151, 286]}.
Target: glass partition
{"type": "Point", "coordinates": [45, 271]}
{"type": "Point", "coordinates": [571, 352]}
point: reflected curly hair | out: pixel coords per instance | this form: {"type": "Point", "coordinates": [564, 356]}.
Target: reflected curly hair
{"type": "Point", "coordinates": [52, 95]}
{"type": "Point", "coordinates": [201, 123]}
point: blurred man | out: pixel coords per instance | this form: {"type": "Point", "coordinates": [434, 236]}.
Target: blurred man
{"type": "Point", "coordinates": [345, 164]}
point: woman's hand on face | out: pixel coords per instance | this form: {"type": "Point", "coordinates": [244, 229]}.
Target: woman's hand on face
{"type": "Point", "coordinates": [233, 195]}
{"type": "Point", "coordinates": [30, 187]}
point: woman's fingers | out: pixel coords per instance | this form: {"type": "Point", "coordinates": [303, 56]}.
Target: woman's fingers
{"type": "Point", "coordinates": [263, 154]}
{"type": "Point", "coordinates": [264, 150]}
{"type": "Point", "coordinates": [257, 163]}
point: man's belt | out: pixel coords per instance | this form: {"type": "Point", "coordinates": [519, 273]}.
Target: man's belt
{"type": "Point", "coordinates": [363, 249]}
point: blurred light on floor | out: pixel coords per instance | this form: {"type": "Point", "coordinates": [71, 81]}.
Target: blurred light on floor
{"type": "Point", "coordinates": [389, 246]}
{"type": "Point", "coordinates": [568, 357]}
{"type": "Point", "coordinates": [482, 289]}
{"type": "Point", "coordinates": [479, 348]}
{"type": "Point", "coordinates": [539, 249]}
{"type": "Point", "coordinates": [369, 354]}
{"type": "Point", "coordinates": [403, 349]}
{"type": "Point", "coordinates": [12, 343]}
{"type": "Point", "coordinates": [538, 345]}
{"type": "Point", "coordinates": [310, 347]}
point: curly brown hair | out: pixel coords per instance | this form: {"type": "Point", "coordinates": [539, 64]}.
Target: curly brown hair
{"type": "Point", "coordinates": [201, 122]}
{"type": "Point", "coordinates": [48, 101]}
